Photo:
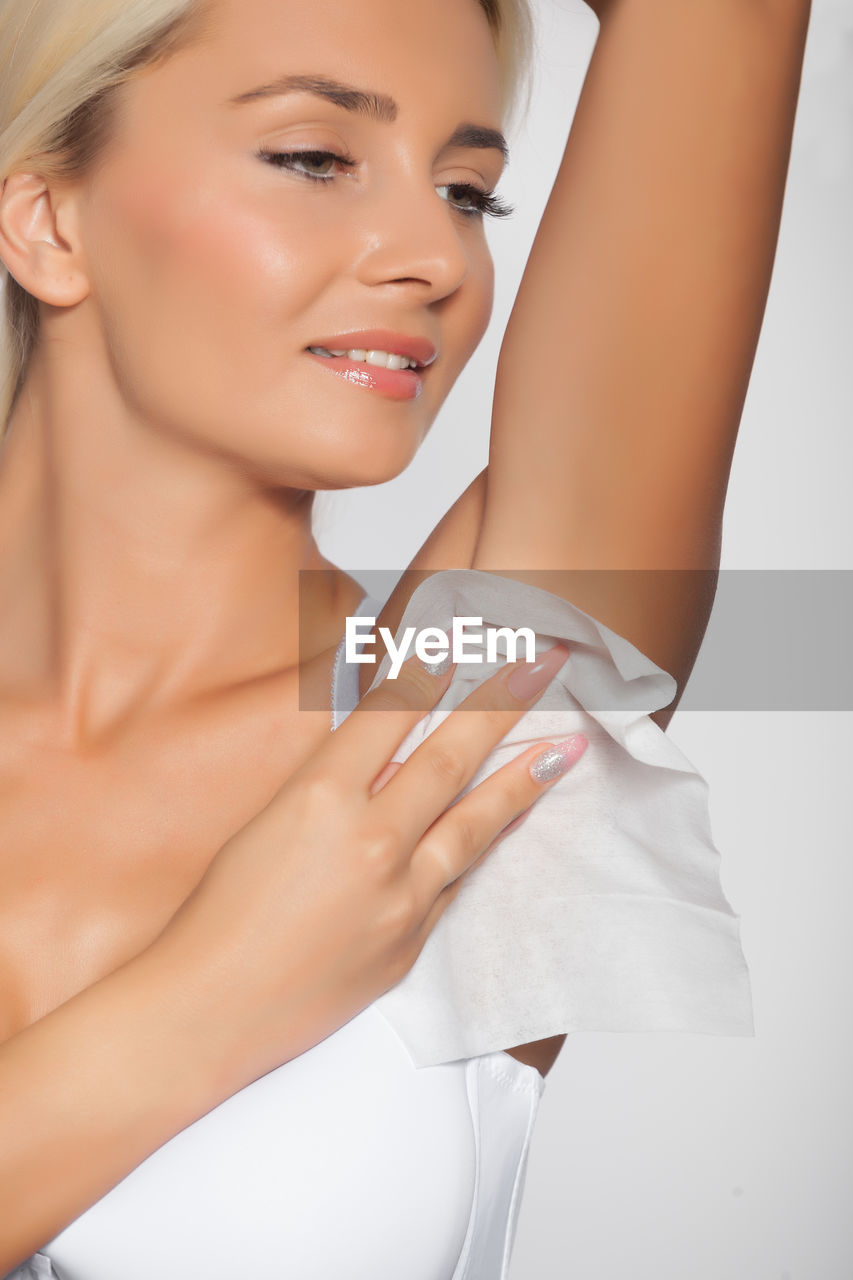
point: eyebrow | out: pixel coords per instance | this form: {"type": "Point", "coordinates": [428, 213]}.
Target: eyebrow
{"type": "Point", "coordinates": [375, 106]}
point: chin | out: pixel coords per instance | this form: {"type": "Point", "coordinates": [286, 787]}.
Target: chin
{"type": "Point", "coordinates": [344, 468]}
{"type": "Point", "coordinates": [363, 459]}
{"type": "Point", "coordinates": [362, 474]}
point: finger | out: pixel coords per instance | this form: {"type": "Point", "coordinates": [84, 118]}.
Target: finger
{"type": "Point", "coordinates": [502, 834]}
{"type": "Point", "coordinates": [364, 742]}
{"type": "Point", "coordinates": [449, 892]}
{"type": "Point", "coordinates": [385, 775]}
{"type": "Point", "coordinates": [457, 841]}
{"type": "Point", "coordinates": [444, 763]}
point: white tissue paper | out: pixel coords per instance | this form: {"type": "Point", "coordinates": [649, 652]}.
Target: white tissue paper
{"type": "Point", "coordinates": [604, 910]}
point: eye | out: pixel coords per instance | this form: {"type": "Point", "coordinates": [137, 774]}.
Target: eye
{"type": "Point", "coordinates": [318, 166]}
{"type": "Point", "coordinates": [313, 162]}
{"type": "Point", "coordinates": [473, 202]}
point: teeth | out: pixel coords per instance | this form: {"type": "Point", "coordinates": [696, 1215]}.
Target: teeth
{"type": "Point", "coordinates": [384, 360]}
{"type": "Point", "coordinates": [381, 359]}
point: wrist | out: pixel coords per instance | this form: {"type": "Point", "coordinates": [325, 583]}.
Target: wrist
{"type": "Point", "coordinates": [201, 1004]}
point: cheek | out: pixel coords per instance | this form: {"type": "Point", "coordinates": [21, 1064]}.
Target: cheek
{"type": "Point", "coordinates": [201, 296]}
{"type": "Point", "coordinates": [485, 269]}
{"type": "Point", "coordinates": [478, 294]}
{"type": "Point", "coordinates": [198, 257]}
{"type": "Point", "coordinates": [463, 326]}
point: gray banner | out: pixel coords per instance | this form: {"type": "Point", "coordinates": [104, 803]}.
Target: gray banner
{"type": "Point", "coordinates": [777, 640]}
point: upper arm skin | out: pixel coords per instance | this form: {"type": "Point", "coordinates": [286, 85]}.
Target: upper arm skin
{"type": "Point", "coordinates": [629, 349]}
{"type": "Point", "coordinates": [450, 546]}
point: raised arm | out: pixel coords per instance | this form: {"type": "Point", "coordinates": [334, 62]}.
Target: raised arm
{"type": "Point", "coordinates": [625, 363]}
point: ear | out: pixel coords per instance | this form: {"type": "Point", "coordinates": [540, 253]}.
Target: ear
{"type": "Point", "coordinates": [37, 242]}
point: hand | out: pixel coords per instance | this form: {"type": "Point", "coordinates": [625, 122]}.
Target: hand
{"type": "Point", "coordinates": [326, 898]}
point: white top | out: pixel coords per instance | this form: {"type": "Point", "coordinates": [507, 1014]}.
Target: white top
{"type": "Point", "coordinates": [347, 1161]}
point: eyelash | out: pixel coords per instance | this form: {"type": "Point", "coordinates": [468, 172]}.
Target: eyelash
{"type": "Point", "coordinates": [485, 202]}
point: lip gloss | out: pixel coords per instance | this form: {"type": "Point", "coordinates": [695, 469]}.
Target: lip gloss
{"type": "Point", "coordinates": [397, 384]}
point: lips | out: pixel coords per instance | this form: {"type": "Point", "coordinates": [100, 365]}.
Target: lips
{"type": "Point", "coordinates": [415, 348]}
{"type": "Point", "coordinates": [396, 384]}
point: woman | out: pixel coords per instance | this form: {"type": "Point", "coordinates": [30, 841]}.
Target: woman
{"type": "Point", "coordinates": [175, 263]}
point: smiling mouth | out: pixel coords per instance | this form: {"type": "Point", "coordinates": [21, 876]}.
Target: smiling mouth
{"type": "Point", "coordinates": [382, 373]}
{"type": "Point", "coordinates": [376, 359]}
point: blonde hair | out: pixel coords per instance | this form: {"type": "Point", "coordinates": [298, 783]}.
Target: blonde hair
{"type": "Point", "coordinates": [61, 60]}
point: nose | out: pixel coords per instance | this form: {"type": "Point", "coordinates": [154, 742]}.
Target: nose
{"type": "Point", "coordinates": [410, 235]}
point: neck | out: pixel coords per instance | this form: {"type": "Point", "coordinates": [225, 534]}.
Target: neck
{"type": "Point", "coordinates": [137, 571]}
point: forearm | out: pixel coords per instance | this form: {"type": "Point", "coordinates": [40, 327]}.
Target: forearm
{"type": "Point", "coordinates": [91, 1089]}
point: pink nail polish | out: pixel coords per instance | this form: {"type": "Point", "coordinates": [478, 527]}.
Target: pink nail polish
{"type": "Point", "coordinates": [526, 679]}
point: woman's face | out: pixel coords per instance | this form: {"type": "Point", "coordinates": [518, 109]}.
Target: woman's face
{"type": "Point", "coordinates": [214, 266]}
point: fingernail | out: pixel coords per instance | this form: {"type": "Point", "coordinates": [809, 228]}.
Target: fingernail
{"type": "Point", "coordinates": [557, 760]}
{"type": "Point", "coordinates": [526, 680]}
{"type": "Point", "coordinates": [440, 665]}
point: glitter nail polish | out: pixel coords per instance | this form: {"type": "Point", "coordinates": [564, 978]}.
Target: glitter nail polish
{"type": "Point", "coordinates": [557, 760]}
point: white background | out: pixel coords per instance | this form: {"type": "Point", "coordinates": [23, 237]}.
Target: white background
{"type": "Point", "coordinates": [679, 1157]}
